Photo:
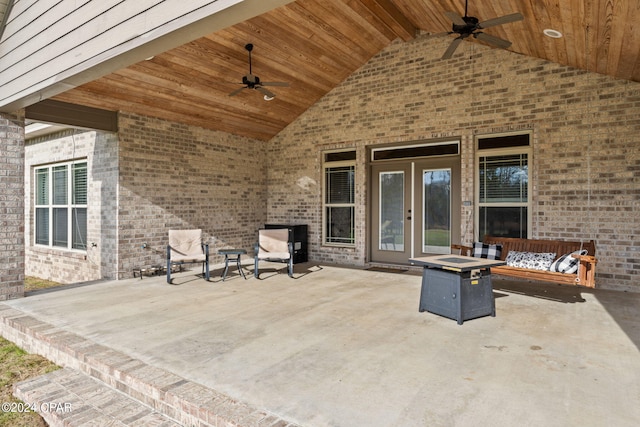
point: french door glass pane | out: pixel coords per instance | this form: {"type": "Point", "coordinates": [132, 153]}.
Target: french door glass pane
{"type": "Point", "coordinates": [60, 227]}
{"type": "Point", "coordinates": [391, 211]}
{"type": "Point", "coordinates": [436, 224]}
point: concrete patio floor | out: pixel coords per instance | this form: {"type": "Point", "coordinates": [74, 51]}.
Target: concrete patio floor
{"type": "Point", "coordinates": [347, 347]}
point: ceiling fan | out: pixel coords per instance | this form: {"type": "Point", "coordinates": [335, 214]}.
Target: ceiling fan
{"type": "Point", "coordinates": [466, 26]}
{"type": "Point", "coordinates": [251, 81]}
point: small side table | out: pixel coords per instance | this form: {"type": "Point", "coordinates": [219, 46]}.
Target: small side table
{"type": "Point", "coordinates": [227, 254]}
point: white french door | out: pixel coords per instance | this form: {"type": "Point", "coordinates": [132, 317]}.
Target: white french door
{"type": "Point", "coordinates": [415, 209]}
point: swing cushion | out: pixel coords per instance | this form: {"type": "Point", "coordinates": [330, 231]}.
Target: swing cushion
{"type": "Point", "coordinates": [567, 263]}
{"type": "Point", "coordinates": [530, 260]}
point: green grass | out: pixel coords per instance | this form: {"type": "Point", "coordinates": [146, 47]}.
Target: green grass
{"type": "Point", "coordinates": [35, 283]}
{"type": "Point", "coordinates": [17, 365]}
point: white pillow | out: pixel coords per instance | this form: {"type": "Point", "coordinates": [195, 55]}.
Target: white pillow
{"type": "Point", "coordinates": [530, 260]}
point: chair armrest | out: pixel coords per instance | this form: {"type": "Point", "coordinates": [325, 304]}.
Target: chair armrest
{"type": "Point", "coordinates": [205, 248]}
{"type": "Point", "coordinates": [463, 250]}
{"type": "Point", "coordinates": [587, 259]}
{"type": "Point", "coordinates": [256, 248]}
{"type": "Point", "coordinates": [290, 245]}
{"type": "Point", "coordinates": [587, 270]}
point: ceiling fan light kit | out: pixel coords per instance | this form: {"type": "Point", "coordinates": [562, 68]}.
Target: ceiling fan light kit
{"type": "Point", "coordinates": [466, 26]}
{"type": "Point", "coordinates": [251, 81]}
{"type": "Point", "coordinates": [554, 34]}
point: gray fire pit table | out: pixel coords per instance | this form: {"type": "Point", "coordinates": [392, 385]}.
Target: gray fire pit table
{"type": "Point", "coordinates": [456, 286]}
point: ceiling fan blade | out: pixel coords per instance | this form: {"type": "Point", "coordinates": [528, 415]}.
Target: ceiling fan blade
{"type": "Point", "coordinates": [502, 20]}
{"type": "Point", "coordinates": [452, 48]}
{"type": "Point", "coordinates": [283, 84]}
{"type": "Point", "coordinates": [457, 19]}
{"type": "Point", "coordinates": [498, 42]}
{"type": "Point", "coordinates": [265, 91]}
{"type": "Point", "coordinates": [237, 91]}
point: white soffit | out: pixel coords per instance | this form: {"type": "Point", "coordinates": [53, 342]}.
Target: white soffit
{"type": "Point", "coordinates": [86, 63]}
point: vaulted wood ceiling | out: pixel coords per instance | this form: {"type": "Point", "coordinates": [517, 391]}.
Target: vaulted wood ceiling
{"type": "Point", "coordinates": [316, 44]}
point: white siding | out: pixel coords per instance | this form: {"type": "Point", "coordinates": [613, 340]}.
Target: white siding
{"type": "Point", "coordinates": [4, 5]}
{"type": "Point", "coordinates": [50, 46]}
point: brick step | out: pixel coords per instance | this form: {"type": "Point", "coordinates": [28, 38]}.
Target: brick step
{"type": "Point", "coordinates": [71, 399]}
{"type": "Point", "coordinates": [187, 402]}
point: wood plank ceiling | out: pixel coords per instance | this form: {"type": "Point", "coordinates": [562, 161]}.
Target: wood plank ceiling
{"type": "Point", "coordinates": [316, 44]}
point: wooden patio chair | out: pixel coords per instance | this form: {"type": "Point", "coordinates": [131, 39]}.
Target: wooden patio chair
{"type": "Point", "coordinates": [186, 246]}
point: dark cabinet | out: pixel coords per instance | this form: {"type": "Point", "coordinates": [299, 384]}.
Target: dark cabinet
{"type": "Point", "coordinates": [297, 236]}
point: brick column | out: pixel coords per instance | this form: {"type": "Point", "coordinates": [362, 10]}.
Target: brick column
{"type": "Point", "coordinates": [11, 206]}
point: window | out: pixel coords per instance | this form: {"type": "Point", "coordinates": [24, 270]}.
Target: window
{"type": "Point", "coordinates": [339, 198]}
{"type": "Point", "coordinates": [61, 205]}
{"type": "Point", "coordinates": [503, 185]}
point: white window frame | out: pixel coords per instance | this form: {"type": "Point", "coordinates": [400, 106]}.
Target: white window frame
{"type": "Point", "coordinates": [528, 150]}
{"type": "Point", "coordinates": [70, 206]}
{"type": "Point", "coordinates": [325, 167]}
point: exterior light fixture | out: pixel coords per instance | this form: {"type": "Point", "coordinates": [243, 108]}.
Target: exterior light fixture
{"type": "Point", "coordinates": [552, 33]}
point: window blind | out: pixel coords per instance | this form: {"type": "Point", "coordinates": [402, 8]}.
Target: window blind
{"type": "Point", "coordinates": [42, 186]}
{"type": "Point", "coordinates": [60, 185]}
{"type": "Point", "coordinates": [340, 185]}
{"type": "Point", "coordinates": [504, 179]}
{"type": "Point", "coordinates": [79, 178]}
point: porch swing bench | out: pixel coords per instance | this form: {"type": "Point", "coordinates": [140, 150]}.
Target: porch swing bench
{"type": "Point", "coordinates": [583, 252]}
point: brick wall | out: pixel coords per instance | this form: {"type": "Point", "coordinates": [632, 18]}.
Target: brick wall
{"type": "Point", "coordinates": [11, 206]}
{"type": "Point", "coordinates": [586, 153]}
{"type": "Point", "coordinates": [176, 176]}
{"type": "Point", "coordinates": [100, 149]}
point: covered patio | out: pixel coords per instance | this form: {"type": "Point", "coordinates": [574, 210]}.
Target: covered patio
{"type": "Point", "coordinates": [339, 346]}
